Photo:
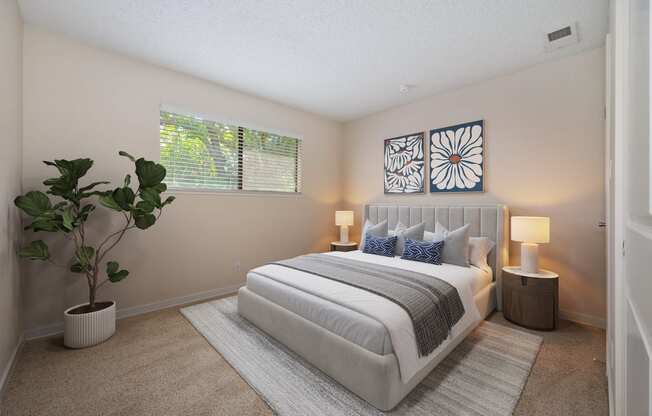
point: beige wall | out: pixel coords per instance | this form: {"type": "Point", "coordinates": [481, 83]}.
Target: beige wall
{"type": "Point", "coordinates": [544, 156]}
{"type": "Point", "coordinates": [83, 102]}
{"type": "Point", "coordinates": [544, 146]}
{"type": "Point", "coordinates": [11, 28]}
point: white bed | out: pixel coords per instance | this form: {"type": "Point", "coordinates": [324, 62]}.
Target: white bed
{"type": "Point", "coordinates": [369, 333]}
{"type": "Point", "coordinates": [363, 340]}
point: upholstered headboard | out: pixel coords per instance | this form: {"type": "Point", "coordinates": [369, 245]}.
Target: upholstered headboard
{"type": "Point", "coordinates": [490, 221]}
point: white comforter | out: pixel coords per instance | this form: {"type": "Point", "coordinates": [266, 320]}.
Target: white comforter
{"type": "Point", "coordinates": [392, 316]}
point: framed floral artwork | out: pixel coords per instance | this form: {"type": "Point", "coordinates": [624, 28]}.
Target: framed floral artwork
{"type": "Point", "coordinates": [457, 158]}
{"type": "Point", "coordinates": [404, 164]}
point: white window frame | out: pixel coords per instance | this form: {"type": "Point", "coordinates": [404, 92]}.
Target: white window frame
{"type": "Point", "coordinates": [247, 125]}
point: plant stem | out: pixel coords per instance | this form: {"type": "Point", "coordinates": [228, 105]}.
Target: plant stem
{"type": "Point", "coordinates": [121, 231]}
{"type": "Point", "coordinates": [92, 290]}
{"type": "Point", "coordinates": [99, 256]}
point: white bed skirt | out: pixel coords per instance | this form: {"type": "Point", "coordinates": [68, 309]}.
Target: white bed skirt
{"type": "Point", "coordinates": [373, 377]}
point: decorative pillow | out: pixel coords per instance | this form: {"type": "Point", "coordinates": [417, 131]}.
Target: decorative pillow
{"type": "Point", "coordinates": [404, 233]}
{"type": "Point", "coordinates": [456, 244]}
{"type": "Point", "coordinates": [424, 251]}
{"type": "Point", "coordinates": [479, 248]}
{"type": "Point", "coordinates": [378, 230]}
{"type": "Point", "coordinates": [382, 246]}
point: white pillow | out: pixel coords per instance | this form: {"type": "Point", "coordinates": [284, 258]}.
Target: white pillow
{"type": "Point", "coordinates": [404, 232]}
{"type": "Point", "coordinates": [430, 236]}
{"type": "Point", "coordinates": [479, 248]}
{"type": "Point", "coordinates": [378, 230]}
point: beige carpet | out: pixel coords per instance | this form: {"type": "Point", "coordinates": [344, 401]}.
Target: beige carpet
{"type": "Point", "coordinates": [157, 364]}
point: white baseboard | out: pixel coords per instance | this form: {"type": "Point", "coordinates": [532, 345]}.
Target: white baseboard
{"type": "Point", "coordinates": [57, 328]}
{"type": "Point", "coordinates": [8, 370]}
{"type": "Point", "coordinates": [582, 318]}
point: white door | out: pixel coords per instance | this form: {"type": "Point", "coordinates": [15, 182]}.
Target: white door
{"type": "Point", "coordinates": [632, 211]}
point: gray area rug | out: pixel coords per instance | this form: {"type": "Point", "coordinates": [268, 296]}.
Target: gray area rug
{"type": "Point", "coordinates": [484, 375]}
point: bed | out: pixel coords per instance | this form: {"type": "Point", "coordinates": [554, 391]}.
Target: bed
{"type": "Point", "coordinates": [361, 339]}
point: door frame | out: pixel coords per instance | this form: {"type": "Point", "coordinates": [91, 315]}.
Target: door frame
{"type": "Point", "coordinates": [620, 44]}
{"type": "Point", "coordinates": [609, 217]}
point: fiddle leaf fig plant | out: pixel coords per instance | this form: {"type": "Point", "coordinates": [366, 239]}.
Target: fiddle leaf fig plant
{"type": "Point", "coordinates": [140, 206]}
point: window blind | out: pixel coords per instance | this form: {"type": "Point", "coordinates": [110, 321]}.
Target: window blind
{"type": "Point", "coordinates": [201, 154]}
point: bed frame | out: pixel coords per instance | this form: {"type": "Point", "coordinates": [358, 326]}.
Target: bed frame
{"type": "Point", "coordinates": [374, 377]}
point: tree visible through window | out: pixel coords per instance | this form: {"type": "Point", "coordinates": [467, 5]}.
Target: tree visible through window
{"type": "Point", "coordinates": [206, 155]}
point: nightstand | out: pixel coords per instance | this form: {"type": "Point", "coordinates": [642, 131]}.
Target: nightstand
{"type": "Point", "coordinates": [339, 246]}
{"type": "Point", "coordinates": [531, 299]}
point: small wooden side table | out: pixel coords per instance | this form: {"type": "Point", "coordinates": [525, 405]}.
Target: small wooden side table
{"type": "Point", "coordinates": [531, 299]}
{"type": "Point", "coordinates": [339, 246]}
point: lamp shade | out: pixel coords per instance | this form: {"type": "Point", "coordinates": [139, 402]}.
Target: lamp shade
{"type": "Point", "coordinates": [343, 217]}
{"type": "Point", "coordinates": [531, 229]}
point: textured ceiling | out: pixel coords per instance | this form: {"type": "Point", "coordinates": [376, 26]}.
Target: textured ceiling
{"type": "Point", "coordinates": [339, 58]}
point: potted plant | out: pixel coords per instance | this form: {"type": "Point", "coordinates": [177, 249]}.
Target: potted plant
{"type": "Point", "coordinates": [93, 322]}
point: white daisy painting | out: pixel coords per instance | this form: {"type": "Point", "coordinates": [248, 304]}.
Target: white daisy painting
{"type": "Point", "coordinates": [457, 158]}
{"type": "Point", "coordinates": [404, 164]}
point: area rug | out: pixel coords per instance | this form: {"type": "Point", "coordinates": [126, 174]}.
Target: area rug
{"type": "Point", "coordinates": [484, 375]}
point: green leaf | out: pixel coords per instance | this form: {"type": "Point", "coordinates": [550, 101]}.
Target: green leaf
{"type": "Point", "coordinates": [71, 171]}
{"type": "Point", "coordinates": [118, 276]}
{"type": "Point", "coordinates": [83, 195]}
{"type": "Point", "coordinates": [59, 205]}
{"type": "Point", "coordinates": [34, 203]}
{"type": "Point", "coordinates": [127, 180]}
{"type": "Point", "coordinates": [85, 255]}
{"type": "Point", "coordinates": [145, 207]}
{"type": "Point", "coordinates": [115, 275]}
{"type": "Point", "coordinates": [63, 186]}
{"type": "Point", "coordinates": [108, 201]}
{"type": "Point", "coordinates": [160, 188]}
{"type": "Point", "coordinates": [152, 196]}
{"type": "Point", "coordinates": [78, 268]}
{"type": "Point", "coordinates": [68, 219]}
{"type": "Point", "coordinates": [85, 212]}
{"type": "Point", "coordinates": [127, 155]}
{"type": "Point", "coordinates": [149, 173]}
{"type": "Point", "coordinates": [80, 167]}
{"type": "Point", "coordinates": [112, 267]}
{"type": "Point", "coordinates": [124, 197]}
{"type": "Point", "coordinates": [36, 250]}
{"type": "Point", "coordinates": [93, 185]}
{"type": "Point", "coordinates": [145, 221]}
{"type": "Point", "coordinates": [46, 224]}
{"type": "Point", "coordinates": [74, 168]}
{"type": "Point", "coordinates": [168, 200]}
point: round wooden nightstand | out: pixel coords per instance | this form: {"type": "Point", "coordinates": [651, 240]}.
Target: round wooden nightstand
{"type": "Point", "coordinates": [531, 299]}
{"type": "Point", "coordinates": [339, 246]}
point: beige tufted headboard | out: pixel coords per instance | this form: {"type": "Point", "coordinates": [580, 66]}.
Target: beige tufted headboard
{"type": "Point", "coordinates": [490, 221]}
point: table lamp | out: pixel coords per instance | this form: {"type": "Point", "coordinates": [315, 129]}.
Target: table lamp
{"type": "Point", "coordinates": [344, 219]}
{"type": "Point", "coordinates": [530, 231]}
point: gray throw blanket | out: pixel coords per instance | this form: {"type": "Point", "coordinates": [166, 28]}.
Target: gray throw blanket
{"type": "Point", "coordinates": [433, 305]}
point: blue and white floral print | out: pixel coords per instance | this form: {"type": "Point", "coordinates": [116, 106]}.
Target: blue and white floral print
{"type": "Point", "coordinates": [457, 157]}
{"type": "Point", "coordinates": [404, 164]}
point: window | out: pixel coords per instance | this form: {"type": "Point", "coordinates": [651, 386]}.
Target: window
{"type": "Point", "coordinates": [201, 154]}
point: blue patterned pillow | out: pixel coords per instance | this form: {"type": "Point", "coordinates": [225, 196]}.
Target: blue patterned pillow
{"type": "Point", "coordinates": [383, 246]}
{"type": "Point", "coordinates": [424, 251]}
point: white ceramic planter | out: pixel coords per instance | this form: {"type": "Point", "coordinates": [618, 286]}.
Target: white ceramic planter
{"type": "Point", "coordinates": [88, 329]}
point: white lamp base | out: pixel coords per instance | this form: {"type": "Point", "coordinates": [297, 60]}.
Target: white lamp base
{"type": "Point", "coordinates": [530, 257]}
{"type": "Point", "coordinates": [344, 234]}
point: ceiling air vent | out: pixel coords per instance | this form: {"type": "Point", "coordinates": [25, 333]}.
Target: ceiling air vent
{"type": "Point", "coordinates": [561, 37]}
